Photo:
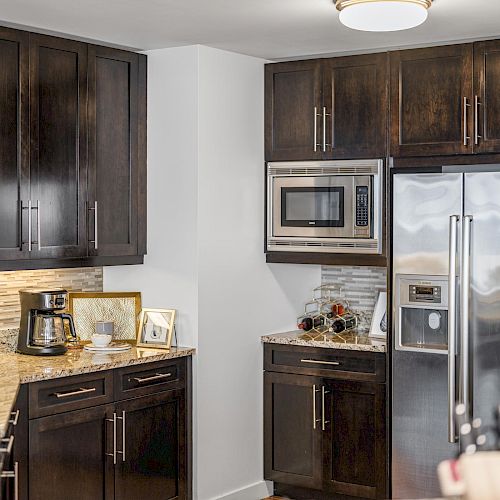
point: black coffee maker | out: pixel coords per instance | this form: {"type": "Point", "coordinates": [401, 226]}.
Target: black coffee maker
{"type": "Point", "coordinates": [41, 331]}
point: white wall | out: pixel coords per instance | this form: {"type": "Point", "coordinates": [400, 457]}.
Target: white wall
{"type": "Point", "coordinates": [216, 275]}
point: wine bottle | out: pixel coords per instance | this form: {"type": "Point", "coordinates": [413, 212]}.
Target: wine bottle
{"type": "Point", "coordinates": [307, 323]}
{"type": "Point", "coordinates": [346, 322]}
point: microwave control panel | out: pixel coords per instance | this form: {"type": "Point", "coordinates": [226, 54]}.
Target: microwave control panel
{"type": "Point", "coordinates": [362, 206]}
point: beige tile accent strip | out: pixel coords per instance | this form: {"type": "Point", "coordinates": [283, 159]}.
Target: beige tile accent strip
{"type": "Point", "coordinates": [87, 279]}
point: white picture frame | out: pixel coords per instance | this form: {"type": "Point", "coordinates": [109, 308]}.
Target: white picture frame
{"type": "Point", "coordinates": [379, 318]}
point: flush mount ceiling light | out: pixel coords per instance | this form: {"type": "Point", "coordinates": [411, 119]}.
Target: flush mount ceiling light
{"type": "Point", "coordinates": [382, 15]}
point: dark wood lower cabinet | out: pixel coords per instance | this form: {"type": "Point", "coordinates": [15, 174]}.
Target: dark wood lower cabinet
{"type": "Point", "coordinates": [155, 461]}
{"type": "Point", "coordinates": [293, 445]}
{"type": "Point", "coordinates": [67, 455]}
{"type": "Point", "coordinates": [325, 437]}
{"type": "Point", "coordinates": [127, 448]}
{"type": "Point", "coordinates": [354, 439]}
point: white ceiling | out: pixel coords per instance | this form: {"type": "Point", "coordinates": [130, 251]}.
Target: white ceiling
{"type": "Point", "coordinates": [272, 29]}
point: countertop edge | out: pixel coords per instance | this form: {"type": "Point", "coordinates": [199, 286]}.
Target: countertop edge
{"type": "Point", "coordinates": [13, 388]}
{"type": "Point", "coordinates": [346, 346]}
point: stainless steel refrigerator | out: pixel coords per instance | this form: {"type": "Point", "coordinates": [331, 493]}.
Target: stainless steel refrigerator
{"type": "Point", "coordinates": [446, 315]}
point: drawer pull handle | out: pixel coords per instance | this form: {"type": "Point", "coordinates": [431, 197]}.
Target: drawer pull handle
{"type": "Point", "coordinates": [82, 390]}
{"type": "Point", "coordinates": [318, 362]}
{"type": "Point", "coordinates": [15, 417]}
{"type": "Point", "coordinates": [158, 376]}
{"type": "Point", "coordinates": [13, 474]}
{"type": "Point", "coordinates": [10, 444]}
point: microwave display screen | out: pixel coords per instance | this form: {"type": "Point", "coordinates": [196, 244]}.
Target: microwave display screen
{"type": "Point", "coordinates": [312, 206]}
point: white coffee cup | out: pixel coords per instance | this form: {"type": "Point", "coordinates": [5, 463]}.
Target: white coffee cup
{"type": "Point", "coordinates": [100, 340]}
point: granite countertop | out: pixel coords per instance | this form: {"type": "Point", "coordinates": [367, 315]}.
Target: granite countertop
{"type": "Point", "coordinates": [16, 369]}
{"type": "Point", "coordinates": [352, 341]}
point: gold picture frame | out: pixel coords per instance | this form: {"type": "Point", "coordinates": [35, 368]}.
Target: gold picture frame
{"type": "Point", "coordinates": [156, 328]}
{"type": "Point", "coordinates": [122, 308]}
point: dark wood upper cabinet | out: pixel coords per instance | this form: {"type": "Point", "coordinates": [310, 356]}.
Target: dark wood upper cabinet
{"type": "Point", "coordinates": [354, 440]}
{"type": "Point", "coordinates": [326, 108]}
{"type": "Point", "coordinates": [155, 464]}
{"type": "Point", "coordinates": [72, 153]}
{"type": "Point", "coordinates": [487, 97]}
{"type": "Point", "coordinates": [355, 103]}
{"type": "Point", "coordinates": [58, 146]}
{"type": "Point", "coordinates": [14, 138]}
{"type": "Point", "coordinates": [293, 107]}
{"type": "Point", "coordinates": [292, 444]}
{"type": "Point", "coordinates": [431, 94]}
{"type": "Point", "coordinates": [116, 116]}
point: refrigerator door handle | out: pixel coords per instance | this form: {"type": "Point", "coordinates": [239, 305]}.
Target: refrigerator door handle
{"type": "Point", "coordinates": [452, 327]}
{"type": "Point", "coordinates": [464, 315]}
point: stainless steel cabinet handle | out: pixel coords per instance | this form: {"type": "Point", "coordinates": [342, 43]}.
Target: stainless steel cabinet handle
{"type": "Point", "coordinates": [315, 420]}
{"type": "Point", "coordinates": [113, 420]}
{"type": "Point", "coordinates": [30, 227]}
{"type": "Point", "coordinates": [15, 417]}
{"type": "Point", "coordinates": [318, 362]}
{"type": "Point", "coordinates": [466, 137]}
{"type": "Point", "coordinates": [315, 129]}
{"type": "Point", "coordinates": [476, 120]}
{"type": "Point", "coordinates": [464, 315]}
{"type": "Point", "coordinates": [15, 475]}
{"type": "Point", "coordinates": [452, 327]}
{"type": "Point", "coordinates": [323, 421]}
{"type": "Point", "coordinates": [122, 452]}
{"type": "Point", "coordinates": [94, 241]}
{"type": "Point", "coordinates": [82, 390]}
{"type": "Point", "coordinates": [158, 376]}
{"type": "Point", "coordinates": [10, 444]}
{"type": "Point", "coordinates": [38, 209]}
{"type": "Point", "coordinates": [325, 114]}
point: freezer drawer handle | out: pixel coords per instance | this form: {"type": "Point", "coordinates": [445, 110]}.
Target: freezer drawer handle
{"type": "Point", "coordinates": [318, 362]}
{"type": "Point", "coordinates": [452, 327]}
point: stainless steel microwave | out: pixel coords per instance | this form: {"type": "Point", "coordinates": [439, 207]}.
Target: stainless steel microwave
{"type": "Point", "coordinates": [325, 206]}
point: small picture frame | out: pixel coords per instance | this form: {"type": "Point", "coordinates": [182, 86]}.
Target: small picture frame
{"type": "Point", "coordinates": [156, 327]}
{"type": "Point", "coordinates": [378, 328]}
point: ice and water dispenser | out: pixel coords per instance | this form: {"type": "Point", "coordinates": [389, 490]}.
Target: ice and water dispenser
{"type": "Point", "coordinates": [421, 313]}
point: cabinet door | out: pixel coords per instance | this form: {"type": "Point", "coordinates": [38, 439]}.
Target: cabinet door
{"type": "Point", "coordinates": [14, 137]}
{"type": "Point", "coordinates": [114, 162]}
{"type": "Point", "coordinates": [58, 100]}
{"type": "Point", "coordinates": [487, 97]}
{"type": "Point", "coordinates": [431, 108]}
{"type": "Point", "coordinates": [154, 434]}
{"type": "Point", "coordinates": [293, 111]}
{"type": "Point", "coordinates": [292, 429]}
{"type": "Point", "coordinates": [68, 455]}
{"type": "Point", "coordinates": [355, 439]}
{"type": "Point", "coordinates": [355, 90]}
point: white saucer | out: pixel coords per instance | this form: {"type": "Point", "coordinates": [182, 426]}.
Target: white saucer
{"type": "Point", "coordinates": [113, 347]}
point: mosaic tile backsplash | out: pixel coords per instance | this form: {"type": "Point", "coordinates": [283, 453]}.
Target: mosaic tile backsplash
{"type": "Point", "coordinates": [360, 286]}
{"type": "Point", "coordinates": [88, 279]}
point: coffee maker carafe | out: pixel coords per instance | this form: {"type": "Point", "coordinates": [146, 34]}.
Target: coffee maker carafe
{"type": "Point", "coordinates": [41, 331]}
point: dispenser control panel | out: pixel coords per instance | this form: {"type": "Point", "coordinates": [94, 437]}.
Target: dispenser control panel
{"type": "Point", "coordinates": [424, 293]}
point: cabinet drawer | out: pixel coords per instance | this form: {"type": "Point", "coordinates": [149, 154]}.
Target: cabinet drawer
{"type": "Point", "coordinates": [149, 378]}
{"type": "Point", "coordinates": [332, 363]}
{"type": "Point", "coordinates": [70, 393]}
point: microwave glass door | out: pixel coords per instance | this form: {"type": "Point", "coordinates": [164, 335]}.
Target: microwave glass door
{"type": "Point", "coordinates": [312, 206]}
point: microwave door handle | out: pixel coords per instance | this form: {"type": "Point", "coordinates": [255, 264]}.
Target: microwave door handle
{"type": "Point", "coordinates": [452, 327]}
{"type": "Point", "coordinates": [465, 395]}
